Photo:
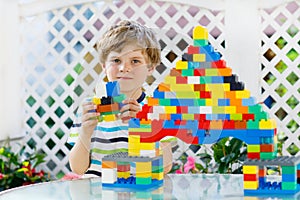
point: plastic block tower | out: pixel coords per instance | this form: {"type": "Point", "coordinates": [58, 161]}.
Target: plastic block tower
{"type": "Point", "coordinates": [200, 102]}
{"type": "Point", "coordinates": [109, 105]}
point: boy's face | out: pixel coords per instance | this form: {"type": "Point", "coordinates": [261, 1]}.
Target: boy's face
{"type": "Point", "coordinates": [130, 67]}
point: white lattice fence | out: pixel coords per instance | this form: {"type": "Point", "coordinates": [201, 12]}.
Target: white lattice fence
{"type": "Point", "coordinates": [280, 70]}
{"type": "Point", "coordinates": [62, 65]}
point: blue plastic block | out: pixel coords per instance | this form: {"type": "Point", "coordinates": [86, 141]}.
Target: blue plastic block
{"type": "Point", "coordinates": [157, 162]}
{"type": "Point", "coordinates": [176, 116]}
{"type": "Point", "coordinates": [200, 133]}
{"type": "Point", "coordinates": [186, 102]}
{"type": "Point", "coordinates": [298, 167]}
{"type": "Point", "coordinates": [170, 124]}
{"type": "Point", "coordinates": [224, 116]}
{"type": "Point", "coordinates": [174, 102]}
{"type": "Point", "coordinates": [248, 102]}
{"type": "Point", "coordinates": [274, 190]}
{"type": "Point", "coordinates": [113, 89]}
{"type": "Point", "coordinates": [194, 109]}
{"type": "Point", "coordinates": [260, 133]}
{"type": "Point", "coordinates": [193, 65]}
{"type": "Point", "coordinates": [223, 102]}
{"type": "Point", "coordinates": [212, 136]}
{"type": "Point", "coordinates": [206, 49]}
{"type": "Point", "coordinates": [211, 116]}
{"type": "Point", "coordinates": [158, 94]}
{"type": "Point", "coordinates": [213, 56]}
{"type": "Point", "coordinates": [217, 79]}
{"type": "Point", "coordinates": [289, 177]}
{"type": "Point", "coordinates": [134, 123]}
{"type": "Point", "coordinates": [266, 140]}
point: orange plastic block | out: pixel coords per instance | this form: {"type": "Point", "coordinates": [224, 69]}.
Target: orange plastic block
{"type": "Point", "coordinates": [267, 148]}
{"type": "Point", "coordinates": [230, 95]}
{"type": "Point", "coordinates": [165, 116]}
{"type": "Point", "coordinates": [175, 72]}
{"type": "Point", "coordinates": [225, 71]}
{"type": "Point", "coordinates": [235, 102]}
{"type": "Point", "coordinates": [108, 108]}
{"type": "Point", "coordinates": [199, 87]}
{"type": "Point", "coordinates": [298, 173]}
{"type": "Point", "coordinates": [240, 125]}
{"type": "Point", "coordinates": [216, 124]}
{"type": "Point", "coordinates": [109, 164]}
{"type": "Point", "coordinates": [262, 172]}
{"type": "Point", "coordinates": [242, 109]}
{"type": "Point", "coordinates": [144, 121]}
{"type": "Point", "coordinates": [153, 101]}
{"type": "Point", "coordinates": [164, 87]}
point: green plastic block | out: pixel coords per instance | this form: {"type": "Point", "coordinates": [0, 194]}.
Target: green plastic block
{"type": "Point", "coordinates": [236, 116]}
{"type": "Point", "coordinates": [289, 185]}
{"type": "Point", "coordinates": [289, 170]}
{"type": "Point", "coordinates": [267, 155]}
{"type": "Point", "coordinates": [164, 102]}
{"type": "Point", "coordinates": [200, 43]}
{"type": "Point", "coordinates": [109, 113]}
{"type": "Point", "coordinates": [143, 181]}
{"type": "Point", "coordinates": [145, 126]}
{"type": "Point", "coordinates": [199, 102]}
{"type": "Point", "coordinates": [255, 109]}
{"type": "Point", "coordinates": [187, 72]}
{"type": "Point", "coordinates": [261, 115]}
{"type": "Point", "coordinates": [120, 98]}
{"type": "Point", "coordinates": [157, 169]}
{"type": "Point", "coordinates": [205, 79]}
{"type": "Point", "coordinates": [147, 130]}
{"type": "Point", "coordinates": [252, 124]}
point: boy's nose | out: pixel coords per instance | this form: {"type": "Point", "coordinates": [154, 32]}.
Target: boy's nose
{"type": "Point", "coordinates": [125, 67]}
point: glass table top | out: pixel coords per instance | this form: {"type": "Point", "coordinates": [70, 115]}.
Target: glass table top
{"type": "Point", "coordinates": [183, 186]}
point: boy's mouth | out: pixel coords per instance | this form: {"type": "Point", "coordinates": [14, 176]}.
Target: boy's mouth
{"type": "Point", "coordinates": [124, 78]}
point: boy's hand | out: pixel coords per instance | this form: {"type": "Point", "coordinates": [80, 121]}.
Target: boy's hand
{"type": "Point", "coordinates": [89, 118]}
{"type": "Point", "coordinates": [129, 110]}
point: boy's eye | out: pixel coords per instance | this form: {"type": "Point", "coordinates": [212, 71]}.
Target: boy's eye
{"type": "Point", "coordinates": [135, 61]}
{"type": "Point", "coordinates": [116, 60]}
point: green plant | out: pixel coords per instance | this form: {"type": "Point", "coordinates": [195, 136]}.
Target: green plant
{"type": "Point", "coordinates": [18, 169]}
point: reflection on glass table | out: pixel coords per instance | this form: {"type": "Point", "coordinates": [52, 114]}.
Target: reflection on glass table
{"type": "Point", "coordinates": [185, 186]}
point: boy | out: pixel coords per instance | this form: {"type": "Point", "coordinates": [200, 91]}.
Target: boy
{"type": "Point", "coordinates": [129, 52]}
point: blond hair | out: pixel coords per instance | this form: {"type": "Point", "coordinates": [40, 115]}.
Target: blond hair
{"type": "Point", "coordinates": [124, 32]}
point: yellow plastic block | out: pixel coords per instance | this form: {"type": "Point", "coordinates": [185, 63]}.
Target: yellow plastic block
{"type": "Point", "coordinates": [142, 167]}
{"type": "Point", "coordinates": [170, 109]}
{"type": "Point", "coordinates": [252, 185]}
{"type": "Point", "coordinates": [158, 176]}
{"type": "Point", "coordinates": [218, 109]}
{"type": "Point", "coordinates": [267, 124]}
{"type": "Point", "coordinates": [200, 32]}
{"type": "Point", "coordinates": [230, 109]}
{"type": "Point", "coordinates": [199, 57]}
{"type": "Point", "coordinates": [188, 95]}
{"type": "Point", "coordinates": [148, 130]}
{"type": "Point", "coordinates": [147, 146]}
{"type": "Point", "coordinates": [251, 198]}
{"type": "Point", "coordinates": [250, 169]}
{"type": "Point", "coordinates": [170, 80]}
{"type": "Point", "coordinates": [181, 65]}
{"type": "Point", "coordinates": [208, 102]}
{"type": "Point", "coordinates": [109, 118]}
{"type": "Point", "coordinates": [253, 148]}
{"type": "Point", "coordinates": [217, 88]}
{"type": "Point", "coordinates": [242, 94]}
{"type": "Point", "coordinates": [143, 174]}
{"type": "Point", "coordinates": [134, 152]}
{"type": "Point", "coordinates": [134, 139]}
{"type": "Point", "coordinates": [211, 72]}
{"type": "Point", "coordinates": [186, 116]}
{"type": "Point", "coordinates": [96, 100]}
{"type": "Point", "coordinates": [182, 88]}
{"type": "Point", "coordinates": [123, 174]}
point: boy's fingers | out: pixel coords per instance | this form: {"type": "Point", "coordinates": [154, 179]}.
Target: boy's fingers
{"type": "Point", "coordinates": [130, 101]}
{"type": "Point", "coordinates": [89, 116]}
{"type": "Point", "coordinates": [88, 106]}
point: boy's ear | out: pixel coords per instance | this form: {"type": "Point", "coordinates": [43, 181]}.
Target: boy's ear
{"type": "Point", "coordinates": [151, 69]}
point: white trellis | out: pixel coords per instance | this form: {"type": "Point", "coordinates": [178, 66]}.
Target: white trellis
{"type": "Point", "coordinates": [60, 66]}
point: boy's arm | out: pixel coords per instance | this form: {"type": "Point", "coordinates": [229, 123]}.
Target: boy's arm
{"type": "Point", "coordinates": [79, 157]}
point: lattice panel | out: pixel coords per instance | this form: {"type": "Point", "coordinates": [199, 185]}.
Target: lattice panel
{"type": "Point", "coordinates": [281, 70]}
{"type": "Point", "coordinates": [61, 65]}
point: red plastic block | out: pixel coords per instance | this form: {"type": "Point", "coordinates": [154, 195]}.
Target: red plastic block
{"type": "Point", "coordinates": [250, 177]}
{"type": "Point", "coordinates": [199, 72]}
{"type": "Point", "coordinates": [253, 155]}
{"type": "Point", "coordinates": [240, 125]}
{"type": "Point", "coordinates": [193, 50]}
{"type": "Point", "coordinates": [123, 168]}
{"type": "Point", "coordinates": [181, 80]}
{"type": "Point", "coordinates": [262, 172]}
{"type": "Point", "coordinates": [205, 95]}
{"type": "Point", "coordinates": [181, 109]}
{"type": "Point", "coordinates": [247, 117]}
{"type": "Point", "coordinates": [219, 64]}
{"type": "Point", "coordinates": [266, 148]}
{"type": "Point", "coordinates": [204, 125]}
{"type": "Point", "coordinates": [228, 124]}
